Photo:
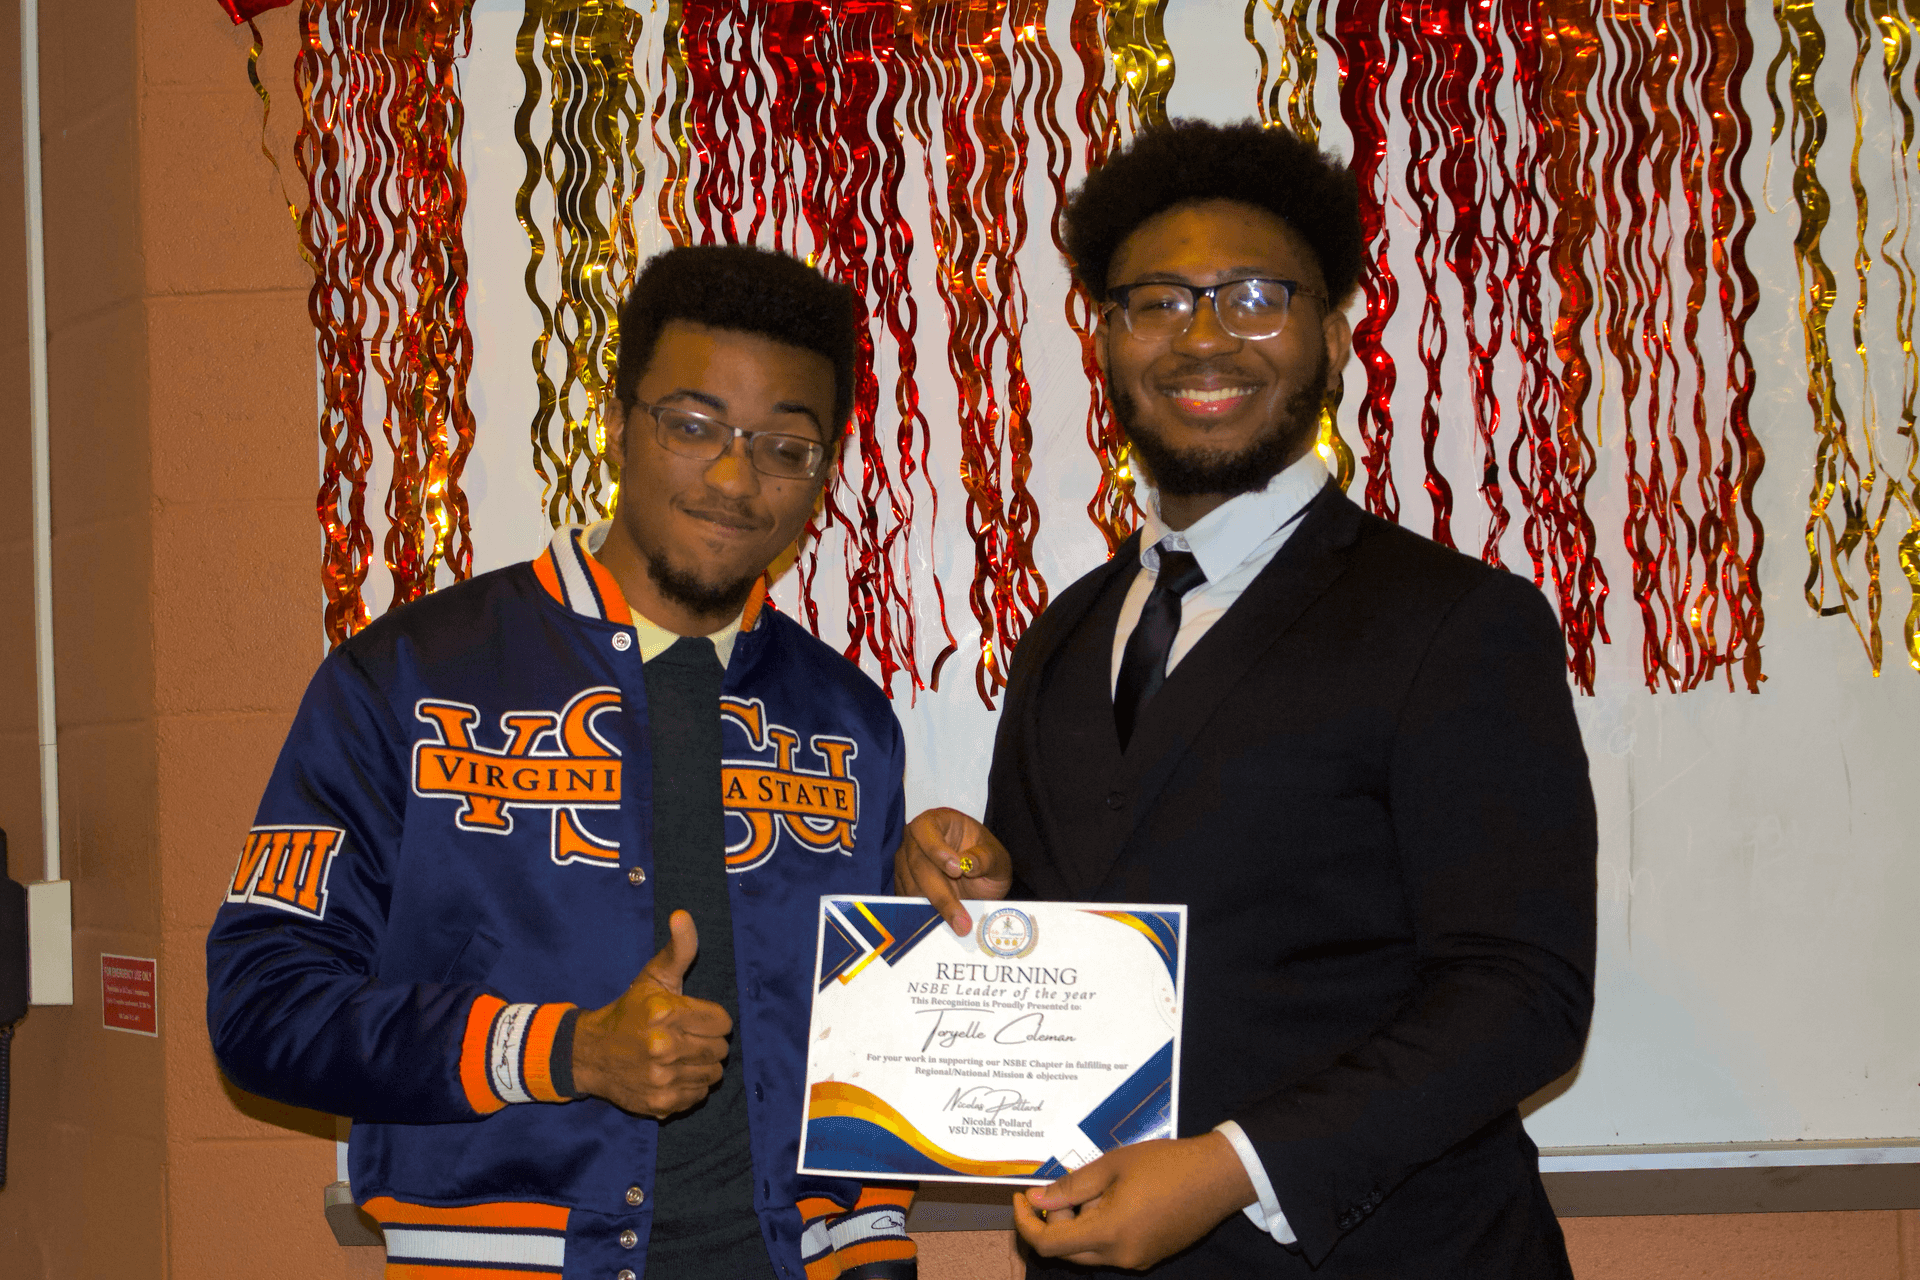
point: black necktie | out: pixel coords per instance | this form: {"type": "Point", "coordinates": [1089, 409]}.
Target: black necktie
{"type": "Point", "coordinates": [1143, 666]}
{"type": "Point", "coordinates": [703, 1222]}
{"type": "Point", "coordinates": [689, 821]}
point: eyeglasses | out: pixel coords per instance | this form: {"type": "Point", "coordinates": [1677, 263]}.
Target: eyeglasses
{"type": "Point", "coordinates": [1163, 310]}
{"type": "Point", "coordinates": [694, 435]}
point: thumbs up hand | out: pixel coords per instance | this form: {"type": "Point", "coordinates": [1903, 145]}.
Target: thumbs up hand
{"type": "Point", "coordinates": [654, 1051]}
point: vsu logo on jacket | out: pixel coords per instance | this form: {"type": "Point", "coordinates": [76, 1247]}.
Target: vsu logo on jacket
{"type": "Point", "coordinates": [558, 761]}
{"type": "Point", "coordinates": [767, 797]}
{"type": "Point", "coordinates": [552, 760]}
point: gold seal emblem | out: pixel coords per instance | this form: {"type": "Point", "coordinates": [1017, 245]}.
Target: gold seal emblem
{"type": "Point", "coordinates": [1009, 933]}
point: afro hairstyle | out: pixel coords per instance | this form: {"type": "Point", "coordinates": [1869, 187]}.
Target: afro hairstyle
{"type": "Point", "coordinates": [1188, 161]}
{"type": "Point", "coordinates": [746, 289]}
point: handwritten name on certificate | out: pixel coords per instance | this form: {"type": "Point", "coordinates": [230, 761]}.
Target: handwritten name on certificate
{"type": "Point", "coordinates": [1048, 1035]}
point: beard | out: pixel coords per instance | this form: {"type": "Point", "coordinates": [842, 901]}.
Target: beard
{"type": "Point", "coordinates": [690, 591]}
{"type": "Point", "coordinates": [1192, 472]}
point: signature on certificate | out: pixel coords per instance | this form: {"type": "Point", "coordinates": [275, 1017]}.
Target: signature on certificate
{"type": "Point", "coordinates": [990, 1101]}
{"type": "Point", "coordinates": [1028, 1028]}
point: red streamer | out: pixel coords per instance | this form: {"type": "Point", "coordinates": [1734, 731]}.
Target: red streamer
{"type": "Point", "coordinates": [332, 93]}
{"type": "Point", "coordinates": [727, 118]}
{"type": "Point", "coordinates": [1694, 572]}
{"type": "Point", "coordinates": [1637, 305]}
{"type": "Point", "coordinates": [1732, 562]}
{"type": "Point", "coordinates": [1565, 461]}
{"type": "Point", "coordinates": [1367, 62]}
{"type": "Point", "coordinates": [1427, 103]}
{"type": "Point", "coordinates": [1463, 154]}
{"type": "Point", "coordinates": [978, 231]}
{"type": "Point", "coordinates": [428, 360]}
{"type": "Point", "coordinates": [855, 165]}
{"type": "Point", "coordinates": [782, 124]}
{"type": "Point", "coordinates": [378, 146]}
{"type": "Point", "coordinates": [1112, 507]}
{"type": "Point", "coordinates": [1660, 123]}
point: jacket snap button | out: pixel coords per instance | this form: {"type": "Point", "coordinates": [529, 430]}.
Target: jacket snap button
{"type": "Point", "coordinates": [636, 1196]}
{"type": "Point", "coordinates": [629, 1238]}
{"type": "Point", "coordinates": [622, 641]}
{"type": "Point", "coordinates": [626, 1275]}
{"type": "Point", "coordinates": [1115, 799]}
{"type": "Point", "coordinates": [636, 876]}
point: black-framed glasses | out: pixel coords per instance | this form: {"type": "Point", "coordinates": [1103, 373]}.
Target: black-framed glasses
{"type": "Point", "coordinates": [695, 435]}
{"type": "Point", "coordinates": [1161, 310]}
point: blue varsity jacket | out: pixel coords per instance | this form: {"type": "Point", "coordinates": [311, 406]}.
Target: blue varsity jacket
{"type": "Point", "coordinates": [453, 851]}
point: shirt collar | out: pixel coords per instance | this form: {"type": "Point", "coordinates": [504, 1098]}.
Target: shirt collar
{"type": "Point", "coordinates": [1226, 536]}
{"type": "Point", "coordinates": [653, 638]}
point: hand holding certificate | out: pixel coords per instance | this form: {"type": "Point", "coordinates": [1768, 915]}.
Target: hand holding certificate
{"type": "Point", "coordinates": [1047, 1035]}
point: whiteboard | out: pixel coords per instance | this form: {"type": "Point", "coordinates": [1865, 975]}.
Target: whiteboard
{"type": "Point", "coordinates": [1758, 889]}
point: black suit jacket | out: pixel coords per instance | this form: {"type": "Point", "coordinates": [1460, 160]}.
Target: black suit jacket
{"type": "Point", "coordinates": [1367, 784]}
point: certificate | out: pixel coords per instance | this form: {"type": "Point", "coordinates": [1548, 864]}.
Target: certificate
{"type": "Point", "coordinates": [1048, 1035]}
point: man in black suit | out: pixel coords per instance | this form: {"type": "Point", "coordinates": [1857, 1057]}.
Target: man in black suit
{"type": "Point", "coordinates": [1350, 751]}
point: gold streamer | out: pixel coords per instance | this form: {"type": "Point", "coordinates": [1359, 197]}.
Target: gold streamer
{"type": "Point", "coordinates": [1295, 76]}
{"type": "Point", "coordinates": [592, 163]}
{"type": "Point", "coordinates": [1897, 44]}
{"type": "Point", "coordinates": [1332, 447]}
{"type": "Point", "coordinates": [676, 152]}
{"type": "Point", "coordinates": [254, 50]}
{"type": "Point", "coordinates": [1804, 41]}
{"type": "Point", "coordinates": [1865, 533]}
{"type": "Point", "coordinates": [1850, 473]}
{"type": "Point", "coordinates": [1296, 66]}
{"type": "Point", "coordinates": [1137, 40]}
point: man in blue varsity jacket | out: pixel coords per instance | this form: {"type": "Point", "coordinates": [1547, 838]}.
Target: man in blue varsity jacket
{"type": "Point", "coordinates": [532, 892]}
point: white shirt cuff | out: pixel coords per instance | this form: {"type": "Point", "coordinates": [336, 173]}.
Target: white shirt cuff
{"type": "Point", "coordinates": [1264, 1213]}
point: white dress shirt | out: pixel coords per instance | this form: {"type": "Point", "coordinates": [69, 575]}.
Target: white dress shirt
{"type": "Point", "coordinates": [1232, 543]}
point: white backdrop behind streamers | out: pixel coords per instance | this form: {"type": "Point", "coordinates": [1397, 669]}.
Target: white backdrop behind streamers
{"type": "Point", "coordinates": [1759, 892]}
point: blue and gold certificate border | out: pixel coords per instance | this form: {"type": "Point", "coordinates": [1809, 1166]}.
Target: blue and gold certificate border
{"type": "Point", "coordinates": [848, 1129]}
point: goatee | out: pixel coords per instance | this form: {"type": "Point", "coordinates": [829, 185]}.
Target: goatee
{"type": "Point", "coordinates": [1193, 472]}
{"type": "Point", "coordinates": [686, 589]}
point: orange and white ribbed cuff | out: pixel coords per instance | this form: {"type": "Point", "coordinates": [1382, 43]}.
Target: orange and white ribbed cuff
{"type": "Point", "coordinates": [871, 1239]}
{"type": "Point", "coordinates": [507, 1054]}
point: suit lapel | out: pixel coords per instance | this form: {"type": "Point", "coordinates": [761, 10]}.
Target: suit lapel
{"type": "Point", "coordinates": [1312, 560]}
{"type": "Point", "coordinates": [1058, 622]}
{"type": "Point", "coordinates": [1015, 794]}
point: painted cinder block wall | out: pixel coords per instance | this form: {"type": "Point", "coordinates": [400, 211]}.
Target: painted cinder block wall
{"type": "Point", "coordinates": [89, 1124]}
{"type": "Point", "coordinates": [186, 624]}
{"type": "Point", "coordinates": [183, 480]}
